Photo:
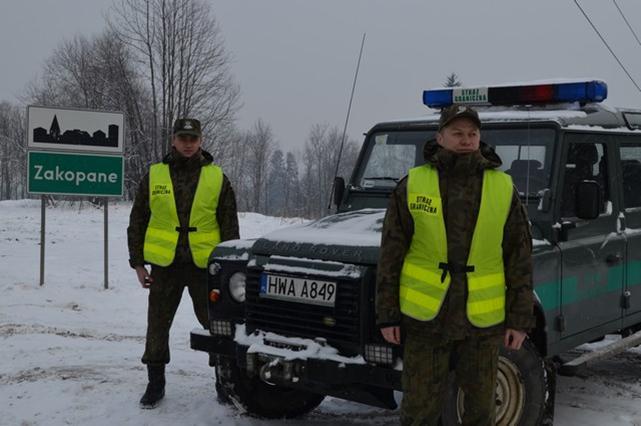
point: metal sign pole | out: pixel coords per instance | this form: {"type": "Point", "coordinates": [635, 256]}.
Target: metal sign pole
{"type": "Point", "coordinates": [106, 243]}
{"type": "Point", "coordinates": [42, 240]}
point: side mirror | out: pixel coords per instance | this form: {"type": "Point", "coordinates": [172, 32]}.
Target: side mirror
{"type": "Point", "coordinates": [339, 190]}
{"type": "Point", "coordinates": [588, 200]}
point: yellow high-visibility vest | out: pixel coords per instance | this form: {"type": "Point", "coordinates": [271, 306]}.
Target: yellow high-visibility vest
{"type": "Point", "coordinates": [425, 279]}
{"type": "Point", "coordinates": [164, 227]}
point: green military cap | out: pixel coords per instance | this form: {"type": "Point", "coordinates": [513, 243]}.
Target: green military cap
{"type": "Point", "coordinates": [458, 111]}
{"type": "Point", "coordinates": [187, 126]}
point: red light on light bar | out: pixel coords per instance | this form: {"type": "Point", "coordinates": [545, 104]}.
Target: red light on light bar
{"type": "Point", "coordinates": [537, 94]}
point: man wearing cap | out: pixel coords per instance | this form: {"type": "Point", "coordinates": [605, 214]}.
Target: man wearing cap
{"type": "Point", "coordinates": [184, 207]}
{"type": "Point", "coordinates": [454, 278]}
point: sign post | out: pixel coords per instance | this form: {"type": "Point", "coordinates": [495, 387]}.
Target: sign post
{"type": "Point", "coordinates": [43, 209]}
{"type": "Point", "coordinates": [75, 152]}
{"type": "Point", "coordinates": [106, 285]}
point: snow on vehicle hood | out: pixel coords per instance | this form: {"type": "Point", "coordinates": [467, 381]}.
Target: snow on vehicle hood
{"type": "Point", "coordinates": [353, 237]}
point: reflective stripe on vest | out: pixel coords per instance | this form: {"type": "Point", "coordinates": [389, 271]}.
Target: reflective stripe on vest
{"type": "Point", "coordinates": [162, 233]}
{"type": "Point", "coordinates": [424, 283]}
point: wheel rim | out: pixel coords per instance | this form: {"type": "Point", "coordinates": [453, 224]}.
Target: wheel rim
{"type": "Point", "coordinates": [510, 395]}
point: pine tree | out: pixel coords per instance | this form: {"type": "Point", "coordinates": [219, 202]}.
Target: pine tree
{"type": "Point", "coordinates": [276, 184]}
{"type": "Point", "coordinates": [292, 187]}
{"type": "Point", "coordinates": [452, 80]}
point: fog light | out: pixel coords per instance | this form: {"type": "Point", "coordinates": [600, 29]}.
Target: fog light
{"type": "Point", "coordinates": [214, 295]}
{"type": "Point", "coordinates": [379, 354]}
{"type": "Point", "coordinates": [221, 328]}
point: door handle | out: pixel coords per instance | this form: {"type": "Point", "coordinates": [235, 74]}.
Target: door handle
{"type": "Point", "coordinates": [613, 259]}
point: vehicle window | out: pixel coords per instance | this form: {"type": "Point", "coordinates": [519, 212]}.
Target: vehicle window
{"type": "Point", "coordinates": [631, 173]}
{"type": "Point", "coordinates": [585, 161]}
{"type": "Point", "coordinates": [526, 155]}
{"type": "Point", "coordinates": [390, 156]}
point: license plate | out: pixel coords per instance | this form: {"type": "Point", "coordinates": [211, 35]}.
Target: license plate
{"type": "Point", "coordinates": [301, 290]}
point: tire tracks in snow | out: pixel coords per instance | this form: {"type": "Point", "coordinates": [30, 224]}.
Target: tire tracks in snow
{"type": "Point", "coordinates": [8, 330]}
{"type": "Point", "coordinates": [38, 374]}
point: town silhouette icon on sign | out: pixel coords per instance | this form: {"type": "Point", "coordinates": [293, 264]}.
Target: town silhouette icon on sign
{"type": "Point", "coordinates": [76, 136]}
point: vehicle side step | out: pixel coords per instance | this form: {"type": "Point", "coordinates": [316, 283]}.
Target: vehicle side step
{"type": "Point", "coordinates": [570, 368]}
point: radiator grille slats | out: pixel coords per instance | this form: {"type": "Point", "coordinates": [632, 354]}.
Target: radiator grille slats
{"type": "Point", "coordinates": [338, 324]}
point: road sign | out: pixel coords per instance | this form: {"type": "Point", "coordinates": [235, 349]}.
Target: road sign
{"type": "Point", "coordinates": [75, 130]}
{"type": "Point", "coordinates": [74, 152]}
{"type": "Point", "coordinates": [75, 174]}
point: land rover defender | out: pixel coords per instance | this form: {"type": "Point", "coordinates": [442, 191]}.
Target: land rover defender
{"type": "Point", "coordinates": [292, 313]}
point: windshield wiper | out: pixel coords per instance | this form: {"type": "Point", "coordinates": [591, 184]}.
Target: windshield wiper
{"type": "Point", "coordinates": [531, 195]}
{"type": "Point", "coordinates": [381, 178]}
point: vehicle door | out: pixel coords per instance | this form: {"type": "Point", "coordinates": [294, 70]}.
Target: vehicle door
{"type": "Point", "coordinates": [592, 250]}
{"type": "Point", "coordinates": [630, 172]}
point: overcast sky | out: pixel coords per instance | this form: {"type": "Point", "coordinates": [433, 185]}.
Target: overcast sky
{"type": "Point", "coordinates": [295, 59]}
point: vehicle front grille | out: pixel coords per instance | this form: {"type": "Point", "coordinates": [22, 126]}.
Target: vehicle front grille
{"type": "Point", "coordinates": [340, 324]}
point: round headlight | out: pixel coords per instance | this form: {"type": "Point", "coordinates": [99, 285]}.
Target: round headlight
{"type": "Point", "coordinates": [237, 286]}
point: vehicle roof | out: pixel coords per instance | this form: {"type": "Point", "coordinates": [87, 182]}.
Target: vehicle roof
{"type": "Point", "coordinates": [587, 117]}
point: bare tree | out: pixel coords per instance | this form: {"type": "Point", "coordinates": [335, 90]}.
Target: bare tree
{"type": "Point", "coordinates": [181, 56]}
{"type": "Point", "coordinates": [13, 180]}
{"type": "Point", "coordinates": [158, 60]}
{"type": "Point", "coordinates": [259, 145]}
{"type": "Point", "coordinates": [319, 159]}
{"type": "Point", "coordinates": [234, 163]}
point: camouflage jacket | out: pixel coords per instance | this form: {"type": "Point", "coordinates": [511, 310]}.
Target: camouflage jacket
{"type": "Point", "coordinates": [184, 173]}
{"type": "Point", "coordinates": [460, 182]}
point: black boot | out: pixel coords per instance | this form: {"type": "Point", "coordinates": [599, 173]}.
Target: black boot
{"type": "Point", "coordinates": [221, 395]}
{"type": "Point", "coordinates": [156, 388]}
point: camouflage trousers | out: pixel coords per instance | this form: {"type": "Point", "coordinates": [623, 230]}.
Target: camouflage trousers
{"type": "Point", "coordinates": [164, 297]}
{"type": "Point", "coordinates": [427, 363]}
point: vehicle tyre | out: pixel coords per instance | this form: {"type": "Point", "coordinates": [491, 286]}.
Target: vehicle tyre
{"type": "Point", "coordinates": [254, 396]}
{"type": "Point", "coordinates": [524, 390]}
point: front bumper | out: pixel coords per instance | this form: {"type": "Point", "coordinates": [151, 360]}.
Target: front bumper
{"type": "Point", "coordinates": [364, 383]}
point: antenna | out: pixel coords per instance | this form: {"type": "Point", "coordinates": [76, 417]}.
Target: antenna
{"type": "Point", "coordinates": [349, 110]}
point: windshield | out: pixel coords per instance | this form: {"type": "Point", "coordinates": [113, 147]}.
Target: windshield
{"type": "Point", "coordinates": [526, 156]}
{"type": "Point", "coordinates": [390, 155]}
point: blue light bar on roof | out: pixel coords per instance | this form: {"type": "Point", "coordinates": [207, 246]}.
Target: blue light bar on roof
{"type": "Point", "coordinates": [526, 94]}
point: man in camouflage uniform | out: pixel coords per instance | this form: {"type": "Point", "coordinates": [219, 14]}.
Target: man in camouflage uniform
{"type": "Point", "coordinates": [166, 283]}
{"type": "Point", "coordinates": [449, 340]}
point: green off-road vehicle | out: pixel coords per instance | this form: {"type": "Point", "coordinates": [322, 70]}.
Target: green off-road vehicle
{"type": "Point", "coordinates": [292, 313]}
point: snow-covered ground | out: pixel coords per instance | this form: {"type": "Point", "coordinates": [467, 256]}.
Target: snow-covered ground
{"type": "Point", "coordinates": [70, 350]}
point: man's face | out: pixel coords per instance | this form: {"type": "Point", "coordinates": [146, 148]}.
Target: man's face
{"type": "Point", "coordinates": [187, 145]}
{"type": "Point", "coordinates": [460, 136]}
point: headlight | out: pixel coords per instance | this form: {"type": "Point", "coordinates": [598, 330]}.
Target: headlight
{"type": "Point", "coordinates": [237, 286]}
